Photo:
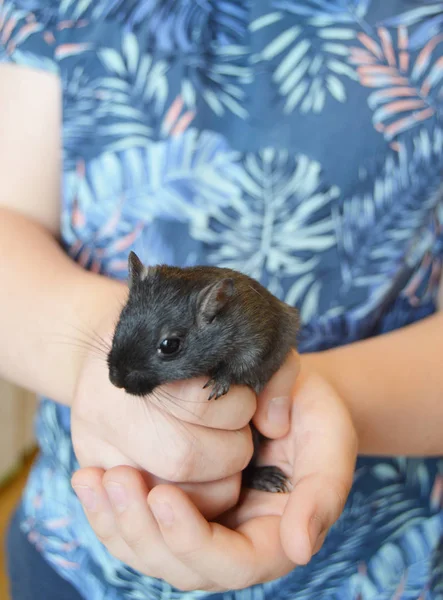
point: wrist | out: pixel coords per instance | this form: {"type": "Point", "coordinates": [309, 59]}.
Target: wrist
{"type": "Point", "coordinates": [328, 365]}
{"type": "Point", "coordinates": [97, 308]}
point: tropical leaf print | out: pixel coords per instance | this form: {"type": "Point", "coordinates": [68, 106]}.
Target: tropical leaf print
{"type": "Point", "coordinates": [121, 192]}
{"type": "Point", "coordinates": [388, 220]}
{"type": "Point", "coordinates": [309, 51]}
{"type": "Point", "coordinates": [207, 39]}
{"type": "Point", "coordinates": [16, 26]}
{"type": "Point", "coordinates": [426, 21]}
{"type": "Point", "coordinates": [134, 90]}
{"type": "Point", "coordinates": [278, 228]}
{"type": "Point", "coordinates": [406, 87]}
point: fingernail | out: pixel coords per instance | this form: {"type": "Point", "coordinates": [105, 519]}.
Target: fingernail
{"type": "Point", "coordinates": [278, 410]}
{"type": "Point", "coordinates": [86, 496]}
{"type": "Point", "coordinates": [117, 495]}
{"type": "Point", "coordinates": [163, 512]}
{"type": "Point", "coordinates": [315, 530]}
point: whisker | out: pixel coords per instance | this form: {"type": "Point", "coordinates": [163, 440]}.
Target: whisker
{"type": "Point", "coordinates": [177, 402]}
{"type": "Point", "coordinates": [85, 344]}
{"type": "Point", "coordinates": [183, 399]}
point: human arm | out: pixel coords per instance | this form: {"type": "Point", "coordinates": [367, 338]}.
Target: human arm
{"type": "Point", "coordinates": [46, 298]}
{"type": "Point", "coordinates": [47, 301]}
{"type": "Point", "coordinates": [393, 387]}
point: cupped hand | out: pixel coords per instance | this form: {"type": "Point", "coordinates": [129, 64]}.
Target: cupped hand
{"type": "Point", "coordinates": [159, 531]}
{"type": "Point", "coordinates": [175, 435]}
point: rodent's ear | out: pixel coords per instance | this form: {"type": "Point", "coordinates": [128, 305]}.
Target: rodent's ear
{"type": "Point", "coordinates": [213, 298]}
{"type": "Point", "coordinates": [136, 269]}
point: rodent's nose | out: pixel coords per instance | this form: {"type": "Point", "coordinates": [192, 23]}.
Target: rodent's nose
{"type": "Point", "coordinates": [116, 377]}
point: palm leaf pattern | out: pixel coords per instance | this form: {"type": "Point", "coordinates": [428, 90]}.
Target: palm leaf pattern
{"type": "Point", "coordinates": [406, 87]}
{"type": "Point", "coordinates": [16, 27]}
{"type": "Point", "coordinates": [373, 229]}
{"type": "Point", "coordinates": [165, 154]}
{"type": "Point", "coordinates": [278, 228]}
{"type": "Point", "coordinates": [211, 39]}
{"type": "Point", "coordinates": [309, 55]}
{"type": "Point", "coordinates": [133, 91]}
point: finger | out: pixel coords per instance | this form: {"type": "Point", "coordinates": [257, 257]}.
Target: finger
{"type": "Point", "coordinates": [230, 559]}
{"type": "Point", "coordinates": [181, 452]}
{"type": "Point", "coordinates": [127, 493]}
{"type": "Point", "coordinates": [272, 417]}
{"type": "Point", "coordinates": [88, 486]}
{"type": "Point", "coordinates": [325, 449]}
{"type": "Point", "coordinates": [214, 498]}
{"type": "Point", "coordinates": [188, 401]}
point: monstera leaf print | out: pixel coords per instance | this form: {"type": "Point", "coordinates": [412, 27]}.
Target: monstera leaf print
{"type": "Point", "coordinates": [406, 85]}
{"type": "Point", "coordinates": [308, 54]}
{"type": "Point", "coordinates": [278, 227]}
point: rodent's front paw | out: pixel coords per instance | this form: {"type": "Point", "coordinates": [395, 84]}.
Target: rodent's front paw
{"type": "Point", "coordinates": [220, 387]}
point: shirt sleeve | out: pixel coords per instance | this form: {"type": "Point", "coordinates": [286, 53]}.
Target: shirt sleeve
{"type": "Point", "coordinates": [28, 34]}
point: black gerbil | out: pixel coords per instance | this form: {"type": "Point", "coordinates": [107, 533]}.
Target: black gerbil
{"type": "Point", "coordinates": [180, 323]}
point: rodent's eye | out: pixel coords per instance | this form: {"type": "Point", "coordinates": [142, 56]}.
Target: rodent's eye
{"type": "Point", "coordinates": [169, 346]}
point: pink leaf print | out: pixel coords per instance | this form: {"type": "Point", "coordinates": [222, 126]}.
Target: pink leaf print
{"type": "Point", "coordinates": [111, 225]}
{"type": "Point", "coordinates": [66, 564]}
{"type": "Point", "coordinates": [25, 31]}
{"type": "Point", "coordinates": [172, 115]}
{"type": "Point", "coordinates": [118, 265]}
{"type": "Point", "coordinates": [401, 587]}
{"type": "Point", "coordinates": [78, 219]}
{"type": "Point", "coordinates": [95, 266]}
{"type": "Point", "coordinates": [174, 124]}
{"type": "Point", "coordinates": [126, 241]}
{"type": "Point", "coordinates": [437, 493]}
{"type": "Point", "coordinates": [33, 537]}
{"type": "Point", "coordinates": [58, 523]}
{"type": "Point", "coordinates": [7, 30]}
{"type": "Point", "coordinates": [65, 50]}
{"type": "Point", "coordinates": [70, 24]}
{"type": "Point", "coordinates": [183, 123]}
{"type": "Point", "coordinates": [49, 38]}
{"type": "Point", "coordinates": [84, 257]}
{"type": "Point", "coordinates": [402, 96]}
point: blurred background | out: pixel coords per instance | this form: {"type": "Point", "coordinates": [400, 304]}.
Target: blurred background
{"type": "Point", "coordinates": [17, 451]}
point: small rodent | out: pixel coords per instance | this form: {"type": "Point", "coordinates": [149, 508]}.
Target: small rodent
{"type": "Point", "coordinates": [180, 323]}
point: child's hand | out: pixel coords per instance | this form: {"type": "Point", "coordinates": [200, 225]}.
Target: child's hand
{"type": "Point", "coordinates": [177, 436]}
{"type": "Point", "coordinates": [267, 534]}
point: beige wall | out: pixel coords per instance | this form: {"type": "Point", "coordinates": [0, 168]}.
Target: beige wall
{"type": "Point", "coordinates": [17, 409]}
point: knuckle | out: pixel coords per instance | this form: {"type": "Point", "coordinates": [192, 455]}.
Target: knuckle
{"type": "Point", "coordinates": [188, 550]}
{"type": "Point", "coordinates": [181, 468]}
{"type": "Point", "coordinates": [107, 538]}
{"type": "Point", "coordinates": [133, 534]}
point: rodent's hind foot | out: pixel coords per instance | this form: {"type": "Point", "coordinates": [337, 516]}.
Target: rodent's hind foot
{"type": "Point", "coordinates": [220, 387]}
{"type": "Point", "coordinates": [266, 479]}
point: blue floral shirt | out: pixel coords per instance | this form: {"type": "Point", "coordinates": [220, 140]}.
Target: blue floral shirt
{"type": "Point", "coordinates": [300, 141]}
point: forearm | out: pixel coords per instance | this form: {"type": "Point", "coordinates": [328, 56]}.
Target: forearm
{"type": "Point", "coordinates": [47, 301]}
{"type": "Point", "coordinates": [393, 386]}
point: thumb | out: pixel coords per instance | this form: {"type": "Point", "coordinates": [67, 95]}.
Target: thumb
{"type": "Point", "coordinates": [313, 507]}
{"type": "Point", "coordinates": [325, 451]}
{"type": "Point", "coordinates": [273, 415]}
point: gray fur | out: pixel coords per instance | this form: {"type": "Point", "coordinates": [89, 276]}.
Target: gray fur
{"type": "Point", "coordinates": [233, 330]}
